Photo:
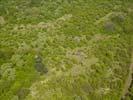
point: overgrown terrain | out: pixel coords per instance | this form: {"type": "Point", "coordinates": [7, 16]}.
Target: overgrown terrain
{"type": "Point", "coordinates": [66, 49]}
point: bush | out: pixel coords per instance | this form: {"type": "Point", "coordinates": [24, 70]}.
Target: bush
{"type": "Point", "coordinates": [7, 72]}
{"type": "Point", "coordinates": [109, 26]}
{"type": "Point", "coordinates": [22, 93]}
{"type": "Point", "coordinates": [118, 18]}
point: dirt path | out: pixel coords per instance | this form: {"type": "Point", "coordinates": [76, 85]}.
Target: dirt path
{"type": "Point", "coordinates": [129, 80]}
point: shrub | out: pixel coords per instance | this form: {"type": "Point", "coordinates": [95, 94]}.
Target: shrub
{"type": "Point", "coordinates": [7, 72]}
{"type": "Point", "coordinates": [109, 26]}
{"type": "Point", "coordinates": [118, 19]}
{"type": "Point", "coordinates": [2, 21]}
{"type": "Point", "coordinates": [22, 93]}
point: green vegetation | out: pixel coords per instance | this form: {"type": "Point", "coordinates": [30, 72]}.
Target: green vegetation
{"type": "Point", "coordinates": [65, 49]}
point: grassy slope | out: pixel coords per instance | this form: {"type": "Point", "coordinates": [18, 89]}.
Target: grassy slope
{"type": "Point", "coordinates": [85, 45]}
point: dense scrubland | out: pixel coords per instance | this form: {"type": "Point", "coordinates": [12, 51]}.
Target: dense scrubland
{"type": "Point", "coordinates": [66, 49]}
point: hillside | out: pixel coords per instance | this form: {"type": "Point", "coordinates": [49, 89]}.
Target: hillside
{"type": "Point", "coordinates": [66, 49]}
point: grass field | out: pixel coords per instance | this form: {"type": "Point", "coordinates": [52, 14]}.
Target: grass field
{"type": "Point", "coordinates": [66, 49]}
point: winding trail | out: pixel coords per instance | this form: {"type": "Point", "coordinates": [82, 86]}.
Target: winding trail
{"type": "Point", "coordinates": [129, 80]}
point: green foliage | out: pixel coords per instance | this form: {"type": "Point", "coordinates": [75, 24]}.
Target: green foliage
{"type": "Point", "coordinates": [7, 72]}
{"type": "Point", "coordinates": [84, 48]}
